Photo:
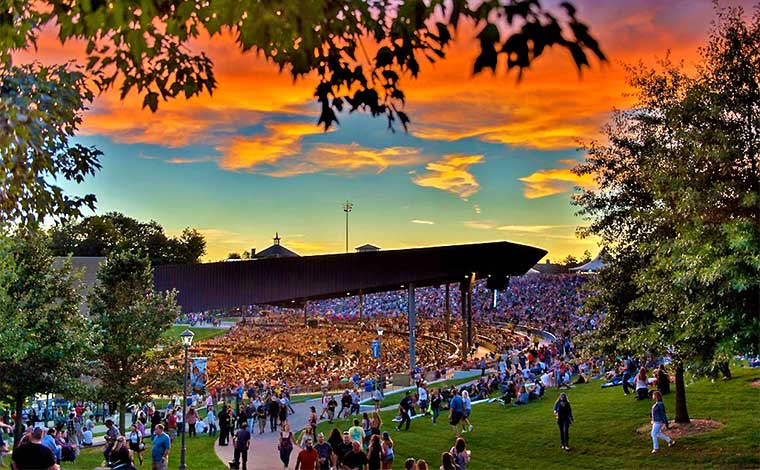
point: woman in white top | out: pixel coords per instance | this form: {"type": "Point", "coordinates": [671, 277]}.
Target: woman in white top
{"type": "Point", "coordinates": [467, 410]}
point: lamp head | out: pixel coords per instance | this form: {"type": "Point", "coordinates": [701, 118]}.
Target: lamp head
{"type": "Point", "coordinates": [187, 338]}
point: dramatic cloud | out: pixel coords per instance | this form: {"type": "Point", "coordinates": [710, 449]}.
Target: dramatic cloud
{"type": "Point", "coordinates": [554, 181]}
{"type": "Point", "coordinates": [422, 222]}
{"type": "Point", "coordinates": [451, 173]}
{"type": "Point", "coordinates": [281, 152]}
{"type": "Point", "coordinates": [282, 139]}
{"type": "Point", "coordinates": [348, 159]}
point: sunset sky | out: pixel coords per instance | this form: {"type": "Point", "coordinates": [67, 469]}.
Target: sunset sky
{"type": "Point", "coordinates": [486, 158]}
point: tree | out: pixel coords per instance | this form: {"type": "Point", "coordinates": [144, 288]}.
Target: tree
{"type": "Point", "coordinates": [130, 317]}
{"type": "Point", "coordinates": [104, 234]}
{"type": "Point", "coordinates": [144, 46]}
{"type": "Point", "coordinates": [678, 208]}
{"type": "Point", "coordinates": [234, 255]}
{"type": "Point", "coordinates": [44, 336]}
{"type": "Point", "coordinates": [40, 111]}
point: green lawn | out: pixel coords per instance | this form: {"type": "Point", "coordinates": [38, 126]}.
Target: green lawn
{"type": "Point", "coordinates": [200, 456]}
{"type": "Point", "coordinates": [302, 397]}
{"type": "Point", "coordinates": [603, 435]}
{"type": "Point", "coordinates": [201, 334]}
{"type": "Point", "coordinates": [395, 398]}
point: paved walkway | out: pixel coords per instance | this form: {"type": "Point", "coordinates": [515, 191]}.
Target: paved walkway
{"type": "Point", "coordinates": [263, 454]}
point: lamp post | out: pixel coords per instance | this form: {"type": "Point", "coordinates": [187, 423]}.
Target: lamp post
{"type": "Point", "coordinates": [347, 208]}
{"type": "Point", "coordinates": [380, 359]}
{"type": "Point", "coordinates": [187, 340]}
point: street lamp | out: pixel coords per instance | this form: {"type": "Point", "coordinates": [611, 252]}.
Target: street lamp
{"type": "Point", "coordinates": [380, 358]}
{"type": "Point", "coordinates": [187, 339]}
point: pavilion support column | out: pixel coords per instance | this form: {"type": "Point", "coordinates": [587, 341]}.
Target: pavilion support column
{"type": "Point", "coordinates": [305, 308]}
{"type": "Point", "coordinates": [463, 298]}
{"type": "Point", "coordinates": [447, 318]}
{"type": "Point", "coordinates": [469, 310]}
{"type": "Point", "coordinates": [411, 312]}
{"type": "Point", "coordinates": [361, 306]}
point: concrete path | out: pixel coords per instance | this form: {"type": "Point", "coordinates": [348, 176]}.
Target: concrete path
{"type": "Point", "coordinates": [263, 453]}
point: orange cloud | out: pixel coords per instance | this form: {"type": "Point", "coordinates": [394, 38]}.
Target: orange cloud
{"type": "Point", "coordinates": [451, 173]}
{"type": "Point", "coordinates": [554, 181]}
{"type": "Point", "coordinates": [280, 153]}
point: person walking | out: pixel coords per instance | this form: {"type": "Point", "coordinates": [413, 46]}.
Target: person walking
{"type": "Point", "coordinates": [285, 444]}
{"type": "Point", "coordinates": [242, 442]}
{"type": "Point", "coordinates": [564, 414]}
{"type": "Point", "coordinates": [403, 408]}
{"type": "Point", "coordinates": [308, 458]}
{"type": "Point", "coordinates": [467, 402]}
{"type": "Point", "coordinates": [159, 452]}
{"type": "Point", "coordinates": [456, 412]}
{"type": "Point", "coordinates": [325, 451]}
{"type": "Point", "coordinates": [388, 454]}
{"type": "Point", "coordinates": [136, 443]}
{"type": "Point", "coordinates": [32, 455]}
{"type": "Point", "coordinates": [435, 404]}
{"type": "Point", "coordinates": [224, 426]}
{"type": "Point", "coordinates": [659, 419]}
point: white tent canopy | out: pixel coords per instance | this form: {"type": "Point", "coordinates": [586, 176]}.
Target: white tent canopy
{"type": "Point", "coordinates": [591, 267]}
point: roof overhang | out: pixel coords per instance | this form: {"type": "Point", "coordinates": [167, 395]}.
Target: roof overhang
{"type": "Point", "coordinates": [295, 280]}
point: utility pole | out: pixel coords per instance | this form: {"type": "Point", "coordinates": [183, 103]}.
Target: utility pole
{"type": "Point", "coordinates": [347, 208]}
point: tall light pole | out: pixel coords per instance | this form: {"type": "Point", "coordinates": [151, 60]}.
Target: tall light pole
{"type": "Point", "coordinates": [347, 208]}
{"type": "Point", "coordinates": [187, 340]}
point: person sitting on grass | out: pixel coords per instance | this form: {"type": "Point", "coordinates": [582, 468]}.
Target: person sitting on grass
{"type": "Point", "coordinates": [642, 388]}
{"type": "Point", "coordinates": [663, 380]}
{"type": "Point", "coordinates": [460, 454]}
{"type": "Point", "coordinates": [522, 397]}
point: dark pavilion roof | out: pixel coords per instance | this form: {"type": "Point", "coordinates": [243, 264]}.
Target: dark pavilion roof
{"type": "Point", "coordinates": [296, 279]}
{"type": "Point", "coordinates": [276, 251]}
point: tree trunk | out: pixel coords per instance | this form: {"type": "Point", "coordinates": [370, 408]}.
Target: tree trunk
{"type": "Point", "coordinates": [18, 423]}
{"type": "Point", "coordinates": [682, 414]}
{"type": "Point", "coordinates": [122, 417]}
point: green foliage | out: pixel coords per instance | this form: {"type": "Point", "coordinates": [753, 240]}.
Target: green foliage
{"type": "Point", "coordinates": [44, 338]}
{"type": "Point", "coordinates": [40, 111]}
{"type": "Point", "coordinates": [112, 232]}
{"type": "Point", "coordinates": [130, 318]}
{"type": "Point", "coordinates": [678, 205]}
{"type": "Point", "coordinates": [144, 46]}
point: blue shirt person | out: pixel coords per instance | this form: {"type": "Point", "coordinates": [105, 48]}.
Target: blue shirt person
{"type": "Point", "coordinates": [160, 451]}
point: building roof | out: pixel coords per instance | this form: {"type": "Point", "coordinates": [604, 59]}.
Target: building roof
{"type": "Point", "coordinates": [367, 247]}
{"type": "Point", "coordinates": [550, 268]}
{"type": "Point", "coordinates": [295, 279]}
{"type": "Point", "coordinates": [276, 250]}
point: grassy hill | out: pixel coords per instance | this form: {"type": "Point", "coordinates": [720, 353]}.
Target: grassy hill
{"type": "Point", "coordinates": [604, 434]}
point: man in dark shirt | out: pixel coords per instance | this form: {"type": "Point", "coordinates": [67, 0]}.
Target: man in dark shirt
{"type": "Point", "coordinates": [224, 426]}
{"type": "Point", "coordinates": [356, 459]}
{"type": "Point", "coordinates": [325, 452]}
{"type": "Point", "coordinates": [403, 408]}
{"type": "Point", "coordinates": [32, 455]}
{"type": "Point", "coordinates": [343, 448]}
{"type": "Point", "coordinates": [241, 441]}
{"type": "Point", "coordinates": [345, 404]}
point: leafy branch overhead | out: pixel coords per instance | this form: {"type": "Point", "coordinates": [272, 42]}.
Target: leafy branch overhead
{"type": "Point", "coordinates": [358, 49]}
